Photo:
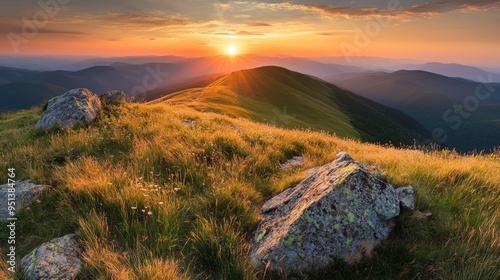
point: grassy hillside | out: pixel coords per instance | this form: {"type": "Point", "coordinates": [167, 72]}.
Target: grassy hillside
{"type": "Point", "coordinates": [294, 100]}
{"type": "Point", "coordinates": [153, 198]}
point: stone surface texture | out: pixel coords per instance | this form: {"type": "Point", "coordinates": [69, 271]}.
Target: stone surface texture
{"type": "Point", "coordinates": [407, 197]}
{"type": "Point", "coordinates": [112, 97]}
{"type": "Point", "coordinates": [58, 259]}
{"type": "Point", "coordinates": [77, 106]}
{"type": "Point", "coordinates": [25, 193]}
{"type": "Point", "coordinates": [341, 211]}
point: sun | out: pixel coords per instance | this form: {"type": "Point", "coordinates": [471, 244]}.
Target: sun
{"type": "Point", "coordinates": [231, 50]}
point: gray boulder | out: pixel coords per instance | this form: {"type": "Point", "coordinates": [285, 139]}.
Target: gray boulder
{"type": "Point", "coordinates": [77, 106]}
{"type": "Point", "coordinates": [341, 211]}
{"type": "Point", "coordinates": [25, 193]}
{"type": "Point", "coordinates": [58, 259]}
{"type": "Point", "coordinates": [113, 97]}
{"type": "Point", "coordinates": [407, 197]}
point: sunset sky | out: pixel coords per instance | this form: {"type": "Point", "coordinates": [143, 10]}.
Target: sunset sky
{"type": "Point", "coordinates": [464, 31]}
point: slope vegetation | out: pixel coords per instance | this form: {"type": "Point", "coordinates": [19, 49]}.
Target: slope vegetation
{"type": "Point", "coordinates": [151, 197]}
{"type": "Point", "coordinates": [294, 100]}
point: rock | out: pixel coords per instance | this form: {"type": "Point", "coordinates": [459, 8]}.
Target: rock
{"type": "Point", "coordinates": [190, 123]}
{"type": "Point", "coordinates": [423, 216]}
{"type": "Point", "coordinates": [236, 127]}
{"type": "Point", "coordinates": [407, 197]}
{"type": "Point", "coordinates": [26, 192]}
{"type": "Point", "coordinates": [378, 174]}
{"type": "Point", "coordinates": [77, 106]}
{"type": "Point", "coordinates": [58, 259]}
{"type": "Point", "coordinates": [292, 163]}
{"type": "Point", "coordinates": [113, 97]}
{"type": "Point", "coordinates": [311, 171]}
{"type": "Point", "coordinates": [341, 211]}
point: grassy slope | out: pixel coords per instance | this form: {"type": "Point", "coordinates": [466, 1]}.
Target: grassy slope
{"type": "Point", "coordinates": [294, 100]}
{"type": "Point", "coordinates": [203, 186]}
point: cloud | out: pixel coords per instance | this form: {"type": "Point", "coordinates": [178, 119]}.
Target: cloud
{"type": "Point", "coordinates": [149, 21]}
{"type": "Point", "coordinates": [396, 9]}
{"type": "Point", "coordinates": [248, 33]}
{"type": "Point", "coordinates": [330, 34]}
{"type": "Point", "coordinates": [233, 33]}
{"type": "Point", "coordinates": [53, 31]}
{"type": "Point", "coordinates": [257, 24]}
{"type": "Point", "coordinates": [6, 28]}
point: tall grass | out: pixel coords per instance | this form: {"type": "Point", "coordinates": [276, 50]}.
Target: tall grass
{"type": "Point", "coordinates": [153, 198]}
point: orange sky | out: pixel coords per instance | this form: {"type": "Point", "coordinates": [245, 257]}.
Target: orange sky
{"type": "Point", "coordinates": [447, 31]}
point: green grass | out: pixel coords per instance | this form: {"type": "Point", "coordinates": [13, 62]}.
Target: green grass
{"type": "Point", "coordinates": [293, 100]}
{"type": "Point", "coordinates": [153, 198]}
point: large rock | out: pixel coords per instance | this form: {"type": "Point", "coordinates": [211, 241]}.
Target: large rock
{"type": "Point", "coordinates": [58, 259]}
{"type": "Point", "coordinates": [113, 97]}
{"type": "Point", "coordinates": [77, 106]}
{"type": "Point", "coordinates": [340, 212]}
{"type": "Point", "coordinates": [25, 193]}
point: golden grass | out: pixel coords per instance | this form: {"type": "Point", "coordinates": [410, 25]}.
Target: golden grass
{"type": "Point", "coordinates": [153, 198]}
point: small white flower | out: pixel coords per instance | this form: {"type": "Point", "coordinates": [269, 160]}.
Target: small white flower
{"type": "Point", "coordinates": [133, 207]}
{"type": "Point", "coordinates": [150, 213]}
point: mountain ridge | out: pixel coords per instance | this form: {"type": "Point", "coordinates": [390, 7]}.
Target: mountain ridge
{"type": "Point", "coordinates": [291, 99]}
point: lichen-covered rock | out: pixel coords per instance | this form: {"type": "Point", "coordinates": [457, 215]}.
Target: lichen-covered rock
{"type": "Point", "coordinates": [407, 197]}
{"type": "Point", "coordinates": [340, 212]}
{"type": "Point", "coordinates": [58, 259]}
{"type": "Point", "coordinates": [77, 106]}
{"type": "Point", "coordinates": [113, 97]}
{"type": "Point", "coordinates": [25, 193]}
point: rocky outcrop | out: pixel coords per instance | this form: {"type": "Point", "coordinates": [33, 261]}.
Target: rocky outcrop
{"type": "Point", "coordinates": [406, 197]}
{"type": "Point", "coordinates": [341, 211]}
{"type": "Point", "coordinates": [58, 259]}
{"type": "Point", "coordinates": [112, 97]}
{"type": "Point", "coordinates": [77, 106]}
{"type": "Point", "coordinates": [25, 193]}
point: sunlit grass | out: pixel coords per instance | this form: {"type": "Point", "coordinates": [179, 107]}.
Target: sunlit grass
{"type": "Point", "coordinates": [153, 198]}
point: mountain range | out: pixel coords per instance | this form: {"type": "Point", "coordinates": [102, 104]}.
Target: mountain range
{"type": "Point", "coordinates": [290, 99]}
{"type": "Point", "coordinates": [452, 105]}
{"type": "Point", "coordinates": [349, 100]}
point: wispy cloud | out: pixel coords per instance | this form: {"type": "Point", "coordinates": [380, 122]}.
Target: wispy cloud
{"type": "Point", "coordinates": [148, 21]}
{"type": "Point", "coordinates": [424, 9]}
{"type": "Point", "coordinates": [6, 28]}
{"type": "Point", "coordinates": [257, 24]}
{"type": "Point", "coordinates": [233, 33]}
